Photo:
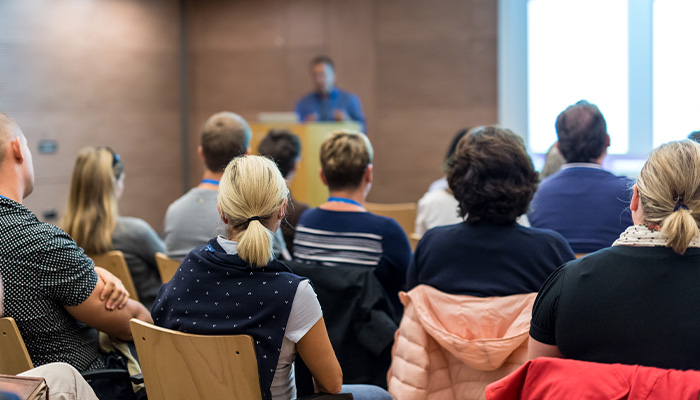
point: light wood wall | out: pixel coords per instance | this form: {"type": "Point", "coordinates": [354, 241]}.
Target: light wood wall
{"type": "Point", "coordinates": [96, 73]}
{"type": "Point", "coordinates": [422, 69]}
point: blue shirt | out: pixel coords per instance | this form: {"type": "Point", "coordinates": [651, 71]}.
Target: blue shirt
{"type": "Point", "coordinates": [485, 259]}
{"type": "Point", "coordinates": [355, 239]}
{"type": "Point", "coordinates": [323, 106]}
{"type": "Point", "coordinates": [586, 204]}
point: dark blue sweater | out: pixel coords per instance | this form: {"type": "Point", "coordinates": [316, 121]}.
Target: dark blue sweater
{"type": "Point", "coordinates": [588, 206]}
{"type": "Point", "coordinates": [484, 259]}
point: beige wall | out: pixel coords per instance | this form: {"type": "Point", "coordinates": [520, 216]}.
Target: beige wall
{"type": "Point", "coordinates": [422, 69]}
{"type": "Point", "coordinates": [96, 73]}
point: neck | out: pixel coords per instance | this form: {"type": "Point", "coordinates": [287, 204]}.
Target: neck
{"type": "Point", "coordinates": [357, 195]}
{"type": "Point", "coordinates": [11, 188]}
{"type": "Point", "coordinates": [216, 176]}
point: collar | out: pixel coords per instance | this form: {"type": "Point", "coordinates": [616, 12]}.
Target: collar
{"type": "Point", "coordinates": [580, 165]}
{"type": "Point", "coordinates": [229, 246]}
{"type": "Point", "coordinates": [332, 95]}
{"type": "Point", "coordinates": [219, 255]}
{"type": "Point", "coordinates": [644, 236]}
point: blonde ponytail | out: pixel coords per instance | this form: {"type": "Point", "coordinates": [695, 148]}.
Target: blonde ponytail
{"type": "Point", "coordinates": [252, 192]}
{"type": "Point", "coordinates": [669, 190]}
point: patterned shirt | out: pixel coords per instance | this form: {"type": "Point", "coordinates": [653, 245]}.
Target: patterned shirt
{"type": "Point", "coordinates": [43, 271]}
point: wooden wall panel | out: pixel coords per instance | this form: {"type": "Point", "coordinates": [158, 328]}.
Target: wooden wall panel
{"type": "Point", "coordinates": [423, 70]}
{"type": "Point", "coordinates": [96, 73]}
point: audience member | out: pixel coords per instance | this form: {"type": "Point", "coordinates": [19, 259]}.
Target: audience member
{"type": "Point", "coordinates": [192, 219]}
{"type": "Point", "coordinates": [259, 296]}
{"type": "Point", "coordinates": [636, 302]}
{"type": "Point", "coordinates": [327, 102]}
{"type": "Point", "coordinates": [93, 221]}
{"type": "Point", "coordinates": [489, 254]}
{"type": "Point", "coordinates": [583, 202]}
{"type": "Point", "coordinates": [341, 231]}
{"type": "Point", "coordinates": [553, 160]}
{"type": "Point", "coordinates": [51, 288]}
{"type": "Point", "coordinates": [695, 136]}
{"type": "Point", "coordinates": [284, 148]}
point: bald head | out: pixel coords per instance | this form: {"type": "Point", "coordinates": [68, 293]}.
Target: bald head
{"type": "Point", "coordinates": [225, 136]}
{"type": "Point", "coordinates": [582, 132]}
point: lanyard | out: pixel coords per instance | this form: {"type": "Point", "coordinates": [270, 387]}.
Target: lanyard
{"type": "Point", "coordinates": [344, 200]}
{"type": "Point", "coordinates": [211, 181]}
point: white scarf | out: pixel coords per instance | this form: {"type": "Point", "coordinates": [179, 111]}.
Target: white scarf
{"type": "Point", "coordinates": [642, 236]}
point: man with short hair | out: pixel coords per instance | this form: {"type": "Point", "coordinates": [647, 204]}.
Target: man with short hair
{"type": "Point", "coordinates": [284, 148]}
{"type": "Point", "coordinates": [327, 102]}
{"type": "Point", "coordinates": [193, 219]}
{"type": "Point", "coordinates": [51, 288]}
{"type": "Point", "coordinates": [586, 204]}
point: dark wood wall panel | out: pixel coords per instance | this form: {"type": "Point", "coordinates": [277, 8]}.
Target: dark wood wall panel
{"type": "Point", "coordinates": [96, 73]}
{"type": "Point", "coordinates": [423, 70]}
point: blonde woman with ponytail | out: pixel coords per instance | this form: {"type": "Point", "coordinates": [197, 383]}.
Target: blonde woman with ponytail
{"type": "Point", "coordinates": [234, 285]}
{"type": "Point", "coordinates": [92, 219]}
{"type": "Point", "coordinates": [635, 302]}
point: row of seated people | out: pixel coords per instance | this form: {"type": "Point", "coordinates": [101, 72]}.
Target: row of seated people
{"type": "Point", "coordinates": [493, 180]}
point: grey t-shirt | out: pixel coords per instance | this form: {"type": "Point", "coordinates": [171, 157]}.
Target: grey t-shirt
{"type": "Point", "coordinates": [191, 221]}
{"type": "Point", "coordinates": [140, 243]}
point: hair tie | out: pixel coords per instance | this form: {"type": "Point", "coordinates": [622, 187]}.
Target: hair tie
{"type": "Point", "coordinates": [680, 204]}
{"type": "Point", "coordinates": [256, 218]}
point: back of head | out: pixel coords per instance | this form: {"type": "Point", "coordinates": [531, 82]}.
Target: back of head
{"type": "Point", "coordinates": [345, 156]}
{"type": "Point", "coordinates": [252, 191]}
{"type": "Point", "coordinates": [492, 176]}
{"type": "Point", "coordinates": [225, 136]}
{"type": "Point", "coordinates": [283, 147]}
{"type": "Point", "coordinates": [669, 190]}
{"type": "Point", "coordinates": [323, 60]}
{"type": "Point", "coordinates": [8, 131]}
{"type": "Point", "coordinates": [582, 132]}
{"type": "Point", "coordinates": [92, 204]}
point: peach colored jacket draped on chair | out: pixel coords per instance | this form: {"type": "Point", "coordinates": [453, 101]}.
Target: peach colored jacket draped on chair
{"type": "Point", "coordinates": [449, 347]}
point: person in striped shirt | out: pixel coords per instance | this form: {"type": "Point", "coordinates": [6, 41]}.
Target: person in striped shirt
{"type": "Point", "coordinates": [341, 231]}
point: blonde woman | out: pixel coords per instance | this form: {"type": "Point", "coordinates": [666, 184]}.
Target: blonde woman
{"type": "Point", "coordinates": [233, 285]}
{"type": "Point", "coordinates": [636, 302]}
{"type": "Point", "coordinates": [93, 220]}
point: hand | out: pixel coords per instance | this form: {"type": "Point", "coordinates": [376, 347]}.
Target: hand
{"type": "Point", "coordinates": [340, 115]}
{"type": "Point", "coordinates": [113, 291]}
{"type": "Point", "coordinates": [313, 117]}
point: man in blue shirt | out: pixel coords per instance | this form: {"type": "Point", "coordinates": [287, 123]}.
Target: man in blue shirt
{"type": "Point", "coordinates": [327, 102]}
{"type": "Point", "coordinates": [584, 203]}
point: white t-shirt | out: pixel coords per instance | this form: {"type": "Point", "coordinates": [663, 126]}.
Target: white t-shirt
{"type": "Point", "coordinates": [306, 311]}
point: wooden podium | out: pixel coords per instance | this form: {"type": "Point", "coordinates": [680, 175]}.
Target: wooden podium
{"type": "Point", "coordinates": [306, 186]}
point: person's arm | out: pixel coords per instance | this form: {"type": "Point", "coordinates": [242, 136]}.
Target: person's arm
{"type": "Point", "coordinates": [114, 291]}
{"type": "Point", "coordinates": [317, 352]}
{"type": "Point", "coordinates": [538, 349]}
{"type": "Point", "coordinates": [114, 323]}
{"type": "Point", "coordinates": [355, 110]}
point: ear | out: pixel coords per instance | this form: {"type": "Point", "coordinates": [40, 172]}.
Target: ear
{"type": "Point", "coordinates": [200, 152]}
{"type": "Point", "coordinates": [369, 174]}
{"type": "Point", "coordinates": [634, 204]}
{"type": "Point", "coordinates": [557, 144]}
{"type": "Point", "coordinates": [16, 149]}
{"type": "Point", "coordinates": [222, 215]}
{"type": "Point", "coordinates": [323, 177]}
{"type": "Point", "coordinates": [607, 140]}
{"type": "Point", "coordinates": [283, 210]}
{"type": "Point", "coordinates": [248, 151]}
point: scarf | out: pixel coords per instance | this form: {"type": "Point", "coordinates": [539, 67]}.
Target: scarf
{"type": "Point", "coordinates": [643, 236]}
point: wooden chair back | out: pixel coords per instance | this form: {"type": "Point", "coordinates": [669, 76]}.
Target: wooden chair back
{"type": "Point", "coordinates": [14, 358]}
{"type": "Point", "coordinates": [580, 255]}
{"type": "Point", "coordinates": [403, 213]}
{"type": "Point", "coordinates": [178, 365]}
{"type": "Point", "coordinates": [414, 238]}
{"type": "Point", "coordinates": [114, 262]}
{"type": "Point", "coordinates": [166, 267]}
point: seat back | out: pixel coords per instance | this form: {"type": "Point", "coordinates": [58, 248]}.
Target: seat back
{"type": "Point", "coordinates": [166, 267]}
{"type": "Point", "coordinates": [403, 213]}
{"type": "Point", "coordinates": [178, 365]}
{"type": "Point", "coordinates": [114, 262]}
{"type": "Point", "coordinates": [414, 238]}
{"type": "Point", "coordinates": [14, 358]}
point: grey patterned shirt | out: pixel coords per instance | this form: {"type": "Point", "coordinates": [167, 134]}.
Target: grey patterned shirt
{"type": "Point", "coordinates": [43, 271]}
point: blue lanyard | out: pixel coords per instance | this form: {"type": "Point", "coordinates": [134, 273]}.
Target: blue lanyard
{"type": "Point", "coordinates": [344, 200]}
{"type": "Point", "coordinates": [4, 197]}
{"type": "Point", "coordinates": [211, 181]}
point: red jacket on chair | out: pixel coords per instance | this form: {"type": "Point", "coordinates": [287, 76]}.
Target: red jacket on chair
{"type": "Point", "coordinates": [557, 378]}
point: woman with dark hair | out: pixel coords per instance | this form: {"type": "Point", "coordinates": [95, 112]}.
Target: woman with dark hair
{"type": "Point", "coordinates": [488, 254]}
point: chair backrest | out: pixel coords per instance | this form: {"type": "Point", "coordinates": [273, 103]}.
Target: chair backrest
{"type": "Point", "coordinates": [14, 358]}
{"type": "Point", "coordinates": [178, 365]}
{"type": "Point", "coordinates": [114, 262]}
{"type": "Point", "coordinates": [403, 213]}
{"type": "Point", "coordinates": [166, 267]}
{"type": "Point", "coordinates": [581, 255]}
{"type": "Point", "coordinates": [414, 238]}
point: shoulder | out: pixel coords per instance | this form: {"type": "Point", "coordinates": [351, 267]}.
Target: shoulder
{"type": "Point", "coordinates": [542, 234]}
{"type": "Point", "coordinates": [309, 97]}
{"type": "Point", "coordinates": [134, 223]}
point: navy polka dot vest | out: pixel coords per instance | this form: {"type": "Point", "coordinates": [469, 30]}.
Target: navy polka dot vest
{"type": "Point", "coordinates": [217, 293]}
